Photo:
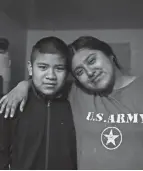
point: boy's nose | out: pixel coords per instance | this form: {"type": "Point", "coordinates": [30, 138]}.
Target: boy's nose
{"type": "Point", "coordinates": [51, 75]}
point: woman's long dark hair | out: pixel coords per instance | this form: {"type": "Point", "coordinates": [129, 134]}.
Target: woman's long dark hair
{"type": "Point", "coordinates": [89, 42]}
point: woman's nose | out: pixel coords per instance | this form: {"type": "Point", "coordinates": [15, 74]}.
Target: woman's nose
{"type": "Point", "coordinates": [89, 72]}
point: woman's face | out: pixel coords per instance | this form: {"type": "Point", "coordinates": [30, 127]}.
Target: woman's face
{"type": "Point", "coordinates": [93, 69]}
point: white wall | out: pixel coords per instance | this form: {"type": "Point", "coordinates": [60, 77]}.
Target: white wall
{"type": "Point", "coordinates": [134, 37]}
{"type": "Point", "coordinates": [17, 38]}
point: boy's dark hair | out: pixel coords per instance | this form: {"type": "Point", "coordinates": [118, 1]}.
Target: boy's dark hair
{"type": "Point", "coordinates": [51, 45]}
{"type": "Point", "coordinates": [93, 43]}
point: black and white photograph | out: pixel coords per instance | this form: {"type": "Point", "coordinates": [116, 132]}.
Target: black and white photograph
{"type": "Point", "coordinates": [71, 85]}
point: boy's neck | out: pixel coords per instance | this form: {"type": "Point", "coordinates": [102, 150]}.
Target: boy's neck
{"type": "Point", "coordinates": [42, 95]}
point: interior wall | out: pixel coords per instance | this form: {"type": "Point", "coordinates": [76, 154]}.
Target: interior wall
{"type": "Point", "coordinates": [17, 37]}
{"type": "Point", "coordinates": [132, 36]}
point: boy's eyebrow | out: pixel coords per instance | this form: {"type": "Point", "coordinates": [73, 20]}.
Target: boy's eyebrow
{"type": "Point", "coordinates": [60, 64]}
{"type": "Point", "coordinates": [41, 63]}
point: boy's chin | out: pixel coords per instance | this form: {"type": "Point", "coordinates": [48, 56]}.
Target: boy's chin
{"type": "Point", "coordinates": [49, 92]}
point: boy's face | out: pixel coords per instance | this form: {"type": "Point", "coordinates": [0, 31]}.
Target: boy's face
{"type": "Point", "coordinates": [48, 72]}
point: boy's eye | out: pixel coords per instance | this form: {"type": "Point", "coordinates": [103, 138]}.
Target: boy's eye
{"type": "Point", "coordinates": [79, 72]}
{"type": "Point", "coordinates": [43, 67]}
{"type": "Point", "coordinates": [60, 68]}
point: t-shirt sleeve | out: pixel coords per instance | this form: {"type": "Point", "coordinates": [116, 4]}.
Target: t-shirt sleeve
{"type": "Point", "coordinates": [137, 92]}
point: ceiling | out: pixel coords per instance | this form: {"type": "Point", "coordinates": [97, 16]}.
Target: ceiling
{"type": "Point", "coordinates": [75, 14]}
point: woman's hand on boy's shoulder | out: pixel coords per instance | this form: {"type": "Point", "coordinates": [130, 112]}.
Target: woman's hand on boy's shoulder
{"type": "Point", "coordinates": [10, 101]}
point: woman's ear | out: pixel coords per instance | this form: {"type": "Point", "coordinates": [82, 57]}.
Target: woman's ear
{"type": "Point", "coordinates": [29, 67]}
{"type": "Point", "coordinates": [112, 58]}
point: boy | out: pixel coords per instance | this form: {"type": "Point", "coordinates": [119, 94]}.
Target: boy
{"type": "Point", "coordinates": [44, 135]}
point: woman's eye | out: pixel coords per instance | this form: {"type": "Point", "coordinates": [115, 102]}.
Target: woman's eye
{"type": "Point", "coordinates": [91, 61]}
{"type": "Point", "coordinates": [79, 72]}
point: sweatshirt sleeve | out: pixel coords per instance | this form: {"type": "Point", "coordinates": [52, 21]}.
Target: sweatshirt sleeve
{"type": "Point", "coordinates": [5, 142]}
{"type": "Point", "coordinates": [72, 139]}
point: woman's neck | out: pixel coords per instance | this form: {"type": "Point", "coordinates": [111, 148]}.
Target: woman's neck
{"type": "Point", "coordinates": [122, 80]}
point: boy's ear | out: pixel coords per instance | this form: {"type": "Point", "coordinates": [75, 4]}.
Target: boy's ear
{"type": "Point", "coordinates": [29, 67]}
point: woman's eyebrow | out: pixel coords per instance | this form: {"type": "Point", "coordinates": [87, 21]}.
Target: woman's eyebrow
{"type": "Point", "coordinates": [92, 54]}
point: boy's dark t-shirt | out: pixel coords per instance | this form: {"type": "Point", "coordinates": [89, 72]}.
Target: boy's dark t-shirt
{"type": "Point", "coordinates": [43, 137]}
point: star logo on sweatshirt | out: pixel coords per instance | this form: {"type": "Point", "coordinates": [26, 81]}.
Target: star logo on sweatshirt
{"type": "Point", "coordinates": [111, 138]}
